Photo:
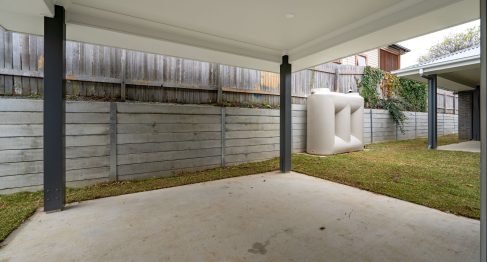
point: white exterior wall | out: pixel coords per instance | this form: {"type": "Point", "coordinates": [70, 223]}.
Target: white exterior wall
{"type": "Point", "coordinates": [372, 58]}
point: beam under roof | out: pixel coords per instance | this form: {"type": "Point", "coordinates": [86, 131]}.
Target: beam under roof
{"type": "Point", "coordinates": [251, 34]}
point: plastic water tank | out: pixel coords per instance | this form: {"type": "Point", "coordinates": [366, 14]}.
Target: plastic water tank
{"type": "Point", "coordinates": [335, 122]}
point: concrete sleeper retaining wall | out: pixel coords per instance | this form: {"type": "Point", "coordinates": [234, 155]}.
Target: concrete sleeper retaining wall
{"type": "Point", "coordinates": [120, 141]}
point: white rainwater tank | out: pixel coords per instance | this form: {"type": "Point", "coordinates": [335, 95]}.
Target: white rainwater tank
{"type": "Point", "coordinates": [335, 122]}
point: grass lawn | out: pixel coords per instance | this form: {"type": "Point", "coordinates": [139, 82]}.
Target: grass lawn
{"type": "Point", "coordinates": [448, 181]}
{"type": "Point", "coordinates": [445, 180]}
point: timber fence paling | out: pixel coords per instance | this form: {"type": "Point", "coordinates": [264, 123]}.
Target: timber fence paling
{"type": "Point", "coordinates": [95, 71]}
{"type": "Point", "coordinates": [112, 73]}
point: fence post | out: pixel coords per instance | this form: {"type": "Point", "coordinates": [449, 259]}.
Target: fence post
{"type": "Point", "coordinates": [371, 126]}
{"type": "Point", "coordinates": [123, 91]}
{"type": "Point", "coordinates": [444, 123]}
{"type": "Point", "coordinates": [113, 142]}
{"type": "Point", "coordinates": [337, 77]}
{"type": "Point", "coordinates": [415, 125]}
{"type": "Point", "coordinates": [395, 129]}
{"type": "Point", "coordinates": [222, 130]}
{"type": "Point", "coordinates": [219, 95]}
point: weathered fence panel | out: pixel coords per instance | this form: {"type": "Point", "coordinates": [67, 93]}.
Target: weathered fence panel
{"type": "Point", "coordinates": [106, 73]}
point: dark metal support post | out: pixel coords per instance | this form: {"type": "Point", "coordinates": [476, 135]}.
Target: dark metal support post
{"type": "Point", "coordinates": [54, 111]}
{"type": "Point", "coordinates": [483, 130]}
{"type": "Point", "coordinates": [285, 116]}
{"type": "Point", "coordinates": [476, 114]}
{"type": "Point", "coordinates": [432, 114]}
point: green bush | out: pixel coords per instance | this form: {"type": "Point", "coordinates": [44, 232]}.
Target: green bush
{"type": "Point", "coordinates": [368, 86]}
{"type": "Point", "coordinates": [398, 94]}
{"type": "Point", "coordinates": [414, 93]}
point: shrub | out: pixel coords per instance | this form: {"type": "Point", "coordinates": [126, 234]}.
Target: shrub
{"type": "Point", "coordinates": [396, 94]}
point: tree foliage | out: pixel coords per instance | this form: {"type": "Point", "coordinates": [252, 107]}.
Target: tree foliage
{"type": "Point", "coordinates": [453, 43]}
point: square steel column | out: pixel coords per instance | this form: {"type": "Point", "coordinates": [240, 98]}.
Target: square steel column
{"type": "Point", "coordinates": [432, 114]}
{"type": "Point", "coordinates": [476, 114]}
{"type": "Point", "coordinates": [483, 130]}
{"type": "Point", "coordinates": [285, 116]}
{"type": "Point", "coordinates": [54, 111]}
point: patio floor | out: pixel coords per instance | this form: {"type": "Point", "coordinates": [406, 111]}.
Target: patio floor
{"type": "Point", "coordinates": [468, 146]}
{"type": "Point", "coordinates": [266, 217]}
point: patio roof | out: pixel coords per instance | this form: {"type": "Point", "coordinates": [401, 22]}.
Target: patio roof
{"type": "Point", "coordinates": [459, 71]}
{"type": "Point", "coordinates": [252, 34]}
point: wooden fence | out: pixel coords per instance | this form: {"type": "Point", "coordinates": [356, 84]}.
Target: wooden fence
{"type": "Point", "coordinates": [108, 73]}
{"type": "Point", "coordinates": [100, 72]}
{"type": "Point", "coordinates": [119, 141]}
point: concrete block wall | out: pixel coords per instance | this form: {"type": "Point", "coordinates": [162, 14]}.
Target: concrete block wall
{"type": "Point", "coordinates": [122, 141]}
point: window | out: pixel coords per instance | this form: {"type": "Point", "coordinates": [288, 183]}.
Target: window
{"type": "Point", "coordinates": [361, 60]}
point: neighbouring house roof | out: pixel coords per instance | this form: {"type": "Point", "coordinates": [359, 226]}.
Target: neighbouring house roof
{"type": "Point", "coordinates": [460, 55]}
{"type": "Point", "coordinates": [401, 48]}
{"type": "Point", "coordinates": [458, 71]}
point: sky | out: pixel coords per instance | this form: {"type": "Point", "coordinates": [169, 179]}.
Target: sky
{"type": "Point", "coordinates": [420, 45]}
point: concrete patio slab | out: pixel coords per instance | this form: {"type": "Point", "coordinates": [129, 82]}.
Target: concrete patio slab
{"type": "Point", "coordinates": [267, 217]}
{"type": "Point", "coordinates": [468, 146]}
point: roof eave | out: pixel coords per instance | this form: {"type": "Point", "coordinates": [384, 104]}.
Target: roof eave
{"type": "Point", "coordinates": [438, 68]}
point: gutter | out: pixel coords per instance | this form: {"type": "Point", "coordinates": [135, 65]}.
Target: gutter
{"type": "Point", "coordinates": [434, 68]}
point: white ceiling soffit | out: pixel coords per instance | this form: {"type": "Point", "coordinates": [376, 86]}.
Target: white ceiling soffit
{"type": "Point", "coordinates": [251, 33]}
{"type": "Point", "coordinates": [455, 75]}
{"type": "Point", "coordinates": [443, 83]}
{"type": "Point", "coordinates": [452, 85]}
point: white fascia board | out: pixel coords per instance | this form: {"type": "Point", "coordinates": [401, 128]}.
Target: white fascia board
{"type": "Point", "coordinates": [443, 67]}
{"type": "Point", "coordinates": [454, 14]}
{"type": "Point", "coordinates": [452, 66]}
{"type": "Point", "coordinates": [83, 33]}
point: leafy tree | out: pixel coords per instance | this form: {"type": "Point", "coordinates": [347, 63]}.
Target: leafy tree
{"type": "Point", "coordinates": [453, 43]}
